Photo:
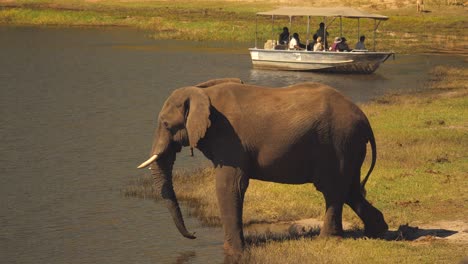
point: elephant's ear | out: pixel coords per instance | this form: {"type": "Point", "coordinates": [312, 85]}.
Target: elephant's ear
{"type": "Point", "coordinates": [197, 114]}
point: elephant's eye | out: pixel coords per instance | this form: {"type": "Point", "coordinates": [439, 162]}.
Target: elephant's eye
{"type": "Point", "coordinates": [166, 124]}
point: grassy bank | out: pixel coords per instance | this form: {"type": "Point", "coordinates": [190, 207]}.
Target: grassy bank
{"type": "Point", "coordinates": [405, 32]}
{"type": "Point", "coordinates": [420, 178]}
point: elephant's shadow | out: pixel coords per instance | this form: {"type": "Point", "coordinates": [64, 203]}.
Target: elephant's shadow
{"type": "Point", "coordinates": [296, 232]}
{"type": "Point", "coordinates": [414, 233]}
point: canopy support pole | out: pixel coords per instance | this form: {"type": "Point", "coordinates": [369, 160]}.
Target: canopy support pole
{"type": "Point", "coordinates": [308, 31]}
{"type": "Point", "coordinates": [341, 27]}
{"type": "Point", "coordinates": [256, 30]}
{"type": "Point", "coordinates": [325, 41]}
{"type": "Point", "coordinates": [376, 25]}
{"type": "Point", "coordinates": [272, 27]}
{"type": "Point", "coordinates": [358, 29]}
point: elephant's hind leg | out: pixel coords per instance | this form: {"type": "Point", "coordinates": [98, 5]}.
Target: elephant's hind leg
{"type": "Point", "coordinates": [374, 222]}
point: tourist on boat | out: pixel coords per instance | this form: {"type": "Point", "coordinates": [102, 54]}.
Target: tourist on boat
{"type": "Point", "coordinates": [360, 45]}
{"type": "Point", "coordinates": [294, 43]}
{"type": "Point", "coordinates": [284, 36]}
{"type": "Point", "coordinates": [318, 45]}
{"type": "Point", "coordinates": [312, 44]}
{"type": "Point", "coordinates": [314, 38]}
{"type": "Point", "coordinates": [343, 45]}
{"type": "Point", "coordinates": [300, 44]}
{"type": "Point", "coordinates": [321, 32]}
{"type": "Point", "coordinates": [334, 46]}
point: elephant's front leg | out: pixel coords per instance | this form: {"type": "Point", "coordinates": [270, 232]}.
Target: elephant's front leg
{"type": "Point", "coordinates": [231, 184]}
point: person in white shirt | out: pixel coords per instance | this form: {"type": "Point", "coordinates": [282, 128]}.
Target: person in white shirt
{"type": "Point", "coordinates": [360, 45]}
{"type": "Point", "coordinates": [294, 42]}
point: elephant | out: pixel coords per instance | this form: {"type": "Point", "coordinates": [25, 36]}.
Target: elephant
{"type": "Point", "coordinates": [303, 133]}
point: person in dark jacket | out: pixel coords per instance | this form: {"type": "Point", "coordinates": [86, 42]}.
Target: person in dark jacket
{"type": "Point", "coordinates": [284, 37]}
{"type": "Point", "coordinates": [343, 45]}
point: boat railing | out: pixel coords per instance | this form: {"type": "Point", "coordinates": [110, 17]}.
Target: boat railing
{"type": "Point", "coordinates": [272, 44]}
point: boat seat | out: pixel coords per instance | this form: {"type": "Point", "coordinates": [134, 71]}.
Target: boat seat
{"type": "Point", "coordinates": [281, 47]}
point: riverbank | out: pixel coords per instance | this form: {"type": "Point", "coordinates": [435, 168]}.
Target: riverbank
{"type": "Point", "coordinates": [419, 180]}
{"type": "Point", "coordinates": [440, 29]}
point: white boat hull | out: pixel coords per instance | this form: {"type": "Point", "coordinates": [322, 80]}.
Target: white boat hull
{"type": "Point", "coordinates": [295, 60]}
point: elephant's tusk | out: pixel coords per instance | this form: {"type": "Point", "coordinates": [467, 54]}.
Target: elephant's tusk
{"type": "Point", "coordinates": [148, 162]}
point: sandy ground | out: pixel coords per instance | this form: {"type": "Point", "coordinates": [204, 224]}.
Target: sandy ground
{"type": "Point", "coordinates": [452, 231]}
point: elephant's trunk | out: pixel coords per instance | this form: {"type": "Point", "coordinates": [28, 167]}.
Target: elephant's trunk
{"type": "Point", "coordinates": [162, 174]}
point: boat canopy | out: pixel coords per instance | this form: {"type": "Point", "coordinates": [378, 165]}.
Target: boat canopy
{"type": "Point", "coordinates": [347, 12]}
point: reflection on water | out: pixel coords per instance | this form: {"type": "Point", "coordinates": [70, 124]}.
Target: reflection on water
{"type": "Point", "coordinates": [359, 87]}
{"type": "Point", "coordinates": [78, 110]}
{"type": "Point", "coordinates": [405, 73]}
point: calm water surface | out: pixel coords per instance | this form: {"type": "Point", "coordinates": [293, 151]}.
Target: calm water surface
{"type": "Point", "coordinates": [78, 110]}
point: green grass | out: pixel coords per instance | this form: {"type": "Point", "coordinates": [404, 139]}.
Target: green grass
{"type": "Point", "coordinates": [420, 177]}
{"type": "Point", "coordinates": [405, 32]}
{"type": "Point", "coordinates": [57, 17]}
{"type": "Point", "coordinates": [422, 140]}
{"type": "Point", "coordinates": [342, 251]}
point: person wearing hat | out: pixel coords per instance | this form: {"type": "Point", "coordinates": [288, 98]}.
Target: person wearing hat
{"type": "Point", "coordinates": [343, 45]}
{"type": "Point", "coordinates": [335, 44]}
{"type": "Point", "coordinates": [318, 45]}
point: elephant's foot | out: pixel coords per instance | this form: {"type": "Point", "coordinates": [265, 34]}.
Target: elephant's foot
{"type": "Point", "coordinates": [231, 250]}
{"type": "Point", "coordinates": [331, 231]}
{"type": "Point", "coordinates": [374, 222]}
{"type": "Point", "coordinates": [376, 230]}
{"type": "Point", "coordinates": [232, 255]}
{"type": "Point", "coordinates": [233, 259]}
{"type": "Point", "coordinates": [332, 224]}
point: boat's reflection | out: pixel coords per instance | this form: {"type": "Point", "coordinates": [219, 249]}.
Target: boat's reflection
{"type": "Point", "coordinates": [360, 87]}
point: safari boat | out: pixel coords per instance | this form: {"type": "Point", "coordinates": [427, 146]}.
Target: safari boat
{"type": "Point", "coordinates": [278, 57]}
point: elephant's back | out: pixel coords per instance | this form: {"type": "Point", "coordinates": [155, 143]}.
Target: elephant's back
{"type": "Point", "coordinates": [301, 95]}
{"type": "Point", "coordinates": [276, 110]}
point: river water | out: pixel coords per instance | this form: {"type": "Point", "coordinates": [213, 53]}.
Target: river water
{"type": "Point", "coordinates": [78, 110]}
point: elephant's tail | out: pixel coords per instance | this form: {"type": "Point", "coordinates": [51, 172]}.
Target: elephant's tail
{"type": "Point", "coordinates": [374, 159]}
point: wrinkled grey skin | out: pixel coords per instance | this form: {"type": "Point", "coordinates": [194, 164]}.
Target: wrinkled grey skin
{"type": "Point", "coordinates": [305, 133]}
